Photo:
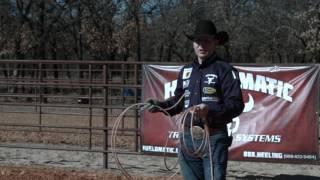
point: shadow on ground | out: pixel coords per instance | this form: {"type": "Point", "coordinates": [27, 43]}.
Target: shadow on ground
{"type": "Point", "coordinates": [281, 177]}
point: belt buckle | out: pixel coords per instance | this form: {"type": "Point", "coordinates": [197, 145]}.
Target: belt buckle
{"type": "Point", "coordinates": [197, 132]}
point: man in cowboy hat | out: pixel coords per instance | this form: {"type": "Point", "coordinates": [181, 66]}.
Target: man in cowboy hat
{"type": "Point", "coordinates": [211, 87]}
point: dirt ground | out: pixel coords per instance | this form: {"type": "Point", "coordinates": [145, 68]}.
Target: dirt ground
{"type": "Point", "coordinates": [237, 171]}
{"type": "Point", "coordinates": [14, 170]}
{"type": "Point", "coordinates": [52, 173]}
{"type": "Point", "coordinates": [22, 168]}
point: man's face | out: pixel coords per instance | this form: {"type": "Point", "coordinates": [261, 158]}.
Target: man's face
{"type": "Point", "coordinates": [204, 47]}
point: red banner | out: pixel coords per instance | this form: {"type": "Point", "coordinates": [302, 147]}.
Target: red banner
{"type": "Point", "coordinates": [279, 122]}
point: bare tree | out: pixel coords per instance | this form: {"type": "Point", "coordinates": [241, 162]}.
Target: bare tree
{"type": "Point", "coordinates": [310, 37]}
{"type": "Point", "coordinates": [99, 28]}
{"type": "Point", "coordinates": [268, 31]}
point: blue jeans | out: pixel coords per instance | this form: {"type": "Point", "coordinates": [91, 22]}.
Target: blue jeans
{"type": "Point", "coordinates": [199, 168]}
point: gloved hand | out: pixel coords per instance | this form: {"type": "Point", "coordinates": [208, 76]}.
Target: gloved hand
{"type": "Point", "coordinates": [201, 110]}
{"type": "Point", "coordinates": [153, 105]}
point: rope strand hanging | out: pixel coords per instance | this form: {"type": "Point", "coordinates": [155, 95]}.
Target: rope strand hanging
{"type": "Point", "coordinates": [197, 152]}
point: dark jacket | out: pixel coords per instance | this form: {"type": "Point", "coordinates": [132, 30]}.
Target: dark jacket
{"type": "Point", "coordinates": [215, 83]}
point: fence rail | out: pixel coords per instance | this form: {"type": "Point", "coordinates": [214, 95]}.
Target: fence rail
{"type": "Point", "coordinates": [56, 99]}
{"type": "Point", "coordinates": [77, 97]}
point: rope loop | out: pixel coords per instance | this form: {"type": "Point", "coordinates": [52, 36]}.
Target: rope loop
{"type": "Point", "coordinates": [196, 152]}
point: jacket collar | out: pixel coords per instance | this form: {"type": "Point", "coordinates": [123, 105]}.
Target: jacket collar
{"type": "Point", "coordinates": [210, 60]}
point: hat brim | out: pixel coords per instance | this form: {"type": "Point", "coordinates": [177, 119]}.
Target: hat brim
{"type": "Point", "coordinates": [199, 36]}
{"type": "Point", "coordinates": [221, 36]}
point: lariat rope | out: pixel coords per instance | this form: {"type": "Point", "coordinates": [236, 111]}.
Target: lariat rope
{"type": "Point", "coordinates": [197, 152]}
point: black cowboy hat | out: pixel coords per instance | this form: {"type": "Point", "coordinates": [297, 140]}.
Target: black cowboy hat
{"type": "Point", "coordinates": [206, 29]}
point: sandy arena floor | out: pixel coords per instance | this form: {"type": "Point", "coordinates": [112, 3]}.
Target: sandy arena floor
{"type": "Point", "coordinates": [16, 164]}
{"type": "Point", "coordinates": [28, 164]}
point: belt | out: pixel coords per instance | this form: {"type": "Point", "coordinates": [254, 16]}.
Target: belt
{"type": "Point", "coordinates": [213, 131]}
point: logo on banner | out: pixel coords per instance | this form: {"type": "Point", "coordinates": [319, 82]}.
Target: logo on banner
{"type": "Point", "coordinates": [266, 85]}
{"type": "Point", "coordinates": [234, 125]}
{"type": "Point", "coordinates": [249, 105]}
{"type": "Point", "coordinates": [260, 131]}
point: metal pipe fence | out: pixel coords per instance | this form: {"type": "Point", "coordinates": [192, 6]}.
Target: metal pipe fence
{"type": "Point", "coordinates": [70, 97]}
{"type": "Point", "coordinates": [56, 99]}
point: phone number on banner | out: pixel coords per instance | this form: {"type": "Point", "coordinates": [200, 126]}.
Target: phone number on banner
{"type": "Point", "coordinates": [278, 155]}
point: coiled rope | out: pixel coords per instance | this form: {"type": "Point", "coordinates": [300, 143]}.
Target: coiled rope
{"type": "Point", "coordinates": [197, 152]}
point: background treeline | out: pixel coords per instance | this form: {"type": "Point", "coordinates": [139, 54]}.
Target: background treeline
{"type": "Point", "coordinates": [263, 31]}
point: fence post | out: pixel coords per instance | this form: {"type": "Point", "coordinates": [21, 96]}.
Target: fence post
{"type": "Point", "coordinates": [136, 99]}
{"type": "Point", "coordinates": [105, 117]}
{"type": "Point", "coordinates": [90, 106]}
{"type": "Point", "coordinates": [40, 95]}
